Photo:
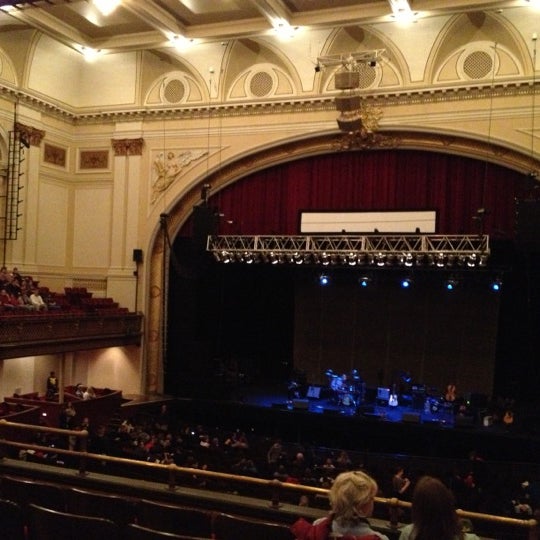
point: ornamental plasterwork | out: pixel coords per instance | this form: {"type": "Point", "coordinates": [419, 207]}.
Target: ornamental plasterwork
{"type": "Point", "coordinates": [127, 147]}
{"type": "Point", "coordinates": [167, 167]}
{"type": "Point", "coordinates": [31, 135]}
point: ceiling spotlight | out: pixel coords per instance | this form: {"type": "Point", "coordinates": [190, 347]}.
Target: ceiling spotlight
{"type": "Point", "coordinates": [317, 68]}
{"type": "Point", "coordinates": [324, 280]}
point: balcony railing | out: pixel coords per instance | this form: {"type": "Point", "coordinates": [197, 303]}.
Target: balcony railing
{"type": "Point", "coordinates": [53, 332]}
{"type": "Point", "coordinates": [13, 435]}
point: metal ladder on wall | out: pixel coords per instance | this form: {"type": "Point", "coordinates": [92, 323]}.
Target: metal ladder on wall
{"type": "Point", "coordinates": [9, 191]}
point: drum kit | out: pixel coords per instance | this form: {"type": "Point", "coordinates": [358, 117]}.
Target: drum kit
{"type": "Point", "coordinates": [348, 388]}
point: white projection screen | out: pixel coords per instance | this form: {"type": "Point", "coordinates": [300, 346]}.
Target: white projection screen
{"type": "Point", "coordinates": [412, 221]}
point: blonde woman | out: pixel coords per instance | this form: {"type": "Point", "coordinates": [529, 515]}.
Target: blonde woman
{"type": "Point", "coordinates": [352, 497]}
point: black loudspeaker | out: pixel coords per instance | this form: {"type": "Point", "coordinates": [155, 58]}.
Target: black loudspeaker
{"type": "Point", "coordinates": [302, 404]}
{"type": "Point", "coordinates": [411, 418]}
{"type": "Point", "coordinates": [205, 223]}
{"type": "Point", "coordinates": [464, 421]}
{"type": "Point", "coordinates": [528, 224]}
{"type": "Point", "coordinates": [138, 255]}
{"type": "Point", "coordinates": [280, 406]}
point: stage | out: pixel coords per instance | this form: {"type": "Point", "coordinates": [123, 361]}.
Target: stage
{"type": "Point", "coordinates": [324, 418]}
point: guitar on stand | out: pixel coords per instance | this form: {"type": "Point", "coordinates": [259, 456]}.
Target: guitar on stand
{"type": "Point", "coordinates": [393, 399]}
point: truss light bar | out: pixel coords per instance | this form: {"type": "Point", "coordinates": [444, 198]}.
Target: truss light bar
{"type": "Point", "coordinates": [382, 250]}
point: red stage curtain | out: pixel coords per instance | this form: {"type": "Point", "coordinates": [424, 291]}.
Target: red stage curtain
{"type": "Point", "coordinates": [270, 201]}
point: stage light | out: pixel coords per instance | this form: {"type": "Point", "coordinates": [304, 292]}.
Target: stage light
{"type": "Point", "coordinates": [496, 285]}
{"type": "Point", "coordinates": [324, 280]}
{"type": "Point", "coordinates": [364, 281]}
{"type": "Point", "coordinates": [450, 284]}
{"type": "Point", "coordinates": [406, 283]}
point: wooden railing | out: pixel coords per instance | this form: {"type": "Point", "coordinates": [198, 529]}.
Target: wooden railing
{"type": "Point", "coordinates": [526, 528]}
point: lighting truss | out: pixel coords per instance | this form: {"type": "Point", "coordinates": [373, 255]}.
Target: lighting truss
{"type": "Point", "coordinates": [438, 251]}
{"type": "Point", "coordinates": [351, 60]}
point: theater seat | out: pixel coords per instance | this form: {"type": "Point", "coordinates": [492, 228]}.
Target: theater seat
{"type": "Point", "coordinates": [24, 492]}
{"type": "Point", "coordinates": [46, 524]}
{"type": "Point", "coordinates": [11, 520]}
{"type": "Point", "coordinates": [120, 510]}
{"type": "Point", "coordinates": [174, 519]}
{"type": "Point", "coordinates": [229, 527]}
{"type": "Point", "coordinates": [136, 532]}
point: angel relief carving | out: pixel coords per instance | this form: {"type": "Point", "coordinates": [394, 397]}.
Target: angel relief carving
{"type": "Point", "coordinates": [168, 167]}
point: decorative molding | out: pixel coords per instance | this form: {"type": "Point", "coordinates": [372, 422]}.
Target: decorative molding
{"type": "Point", "coordinates": [31, 135]}
{"type": "Point", "coordinates": [127, 147]}
{"type": "Point", "coordinates": [54, 155]}
{"type": "Point", "coordinates": [414, 95]}
{"type": "Point", "coordinates": [93, 159]}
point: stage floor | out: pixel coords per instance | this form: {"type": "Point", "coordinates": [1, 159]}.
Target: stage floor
{"type": "Point", "coordinates": [348, 405]}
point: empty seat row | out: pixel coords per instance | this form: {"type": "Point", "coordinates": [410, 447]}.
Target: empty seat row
{"type": "Point", "coordinates": [40, 504]}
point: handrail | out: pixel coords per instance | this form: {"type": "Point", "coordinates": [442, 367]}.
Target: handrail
{"type": "Point", "coordinates": [275, 486]}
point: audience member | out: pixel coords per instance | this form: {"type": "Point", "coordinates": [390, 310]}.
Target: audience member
{"type": "Point", "coordinates": [37, 301]}
{"type": "Point", "coordinates": [400, 483]}
{"type": "Point", "coordinates": [52, 385]}
{"type": "Point", "coordinates": [434, 514]}
{"type": "Point", "coordinates": [352, 499]}
{"type": "Point", "coordinates": [89, 393]}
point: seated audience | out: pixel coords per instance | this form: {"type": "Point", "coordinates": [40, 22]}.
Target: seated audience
{"type": "Point", "coordinates": [352, 499]}
{"type": "Point", "coordinates": [89, 393]}
{"type": "Point", "coordinates": [37, 301]}
{"type": "Point", "coordinates": [434, 514]}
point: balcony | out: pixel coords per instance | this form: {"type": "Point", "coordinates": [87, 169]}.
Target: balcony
{"type": "Point", "coordinates": [38, 333]}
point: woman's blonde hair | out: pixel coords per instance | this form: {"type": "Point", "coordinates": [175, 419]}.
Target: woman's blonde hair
{"type": "Point", "coordinates": [350, 491]}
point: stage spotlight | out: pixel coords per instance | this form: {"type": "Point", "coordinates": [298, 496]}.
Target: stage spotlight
{"type": "Point", "coordinates": [325, 259]}
{"type": "Point", "coordinates": [450, 284]}
{"type": "Point", "coordinates": [496, 285]}
{"type": "Point", "coordinates": [364, 281]}
{"type": "Point", "coordinates": [324, 280]}
{"type": "Point", "coordinates": [406, 283]}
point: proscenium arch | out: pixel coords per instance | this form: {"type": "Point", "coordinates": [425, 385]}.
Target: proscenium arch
{"type": "Point", "coordinates": [269, 157]}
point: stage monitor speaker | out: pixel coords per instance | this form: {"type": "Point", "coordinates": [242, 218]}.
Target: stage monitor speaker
{"type": "Point", "coordinates": [301, 404]}
{"type": "Point", "coordinates": [280, 406]}
{"type": "Point", "coordinates": [464, 421]}
{"type": "Point", "coordinates": [411, 418]}
{"type": "Point", "coordinates": [138, 255]}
